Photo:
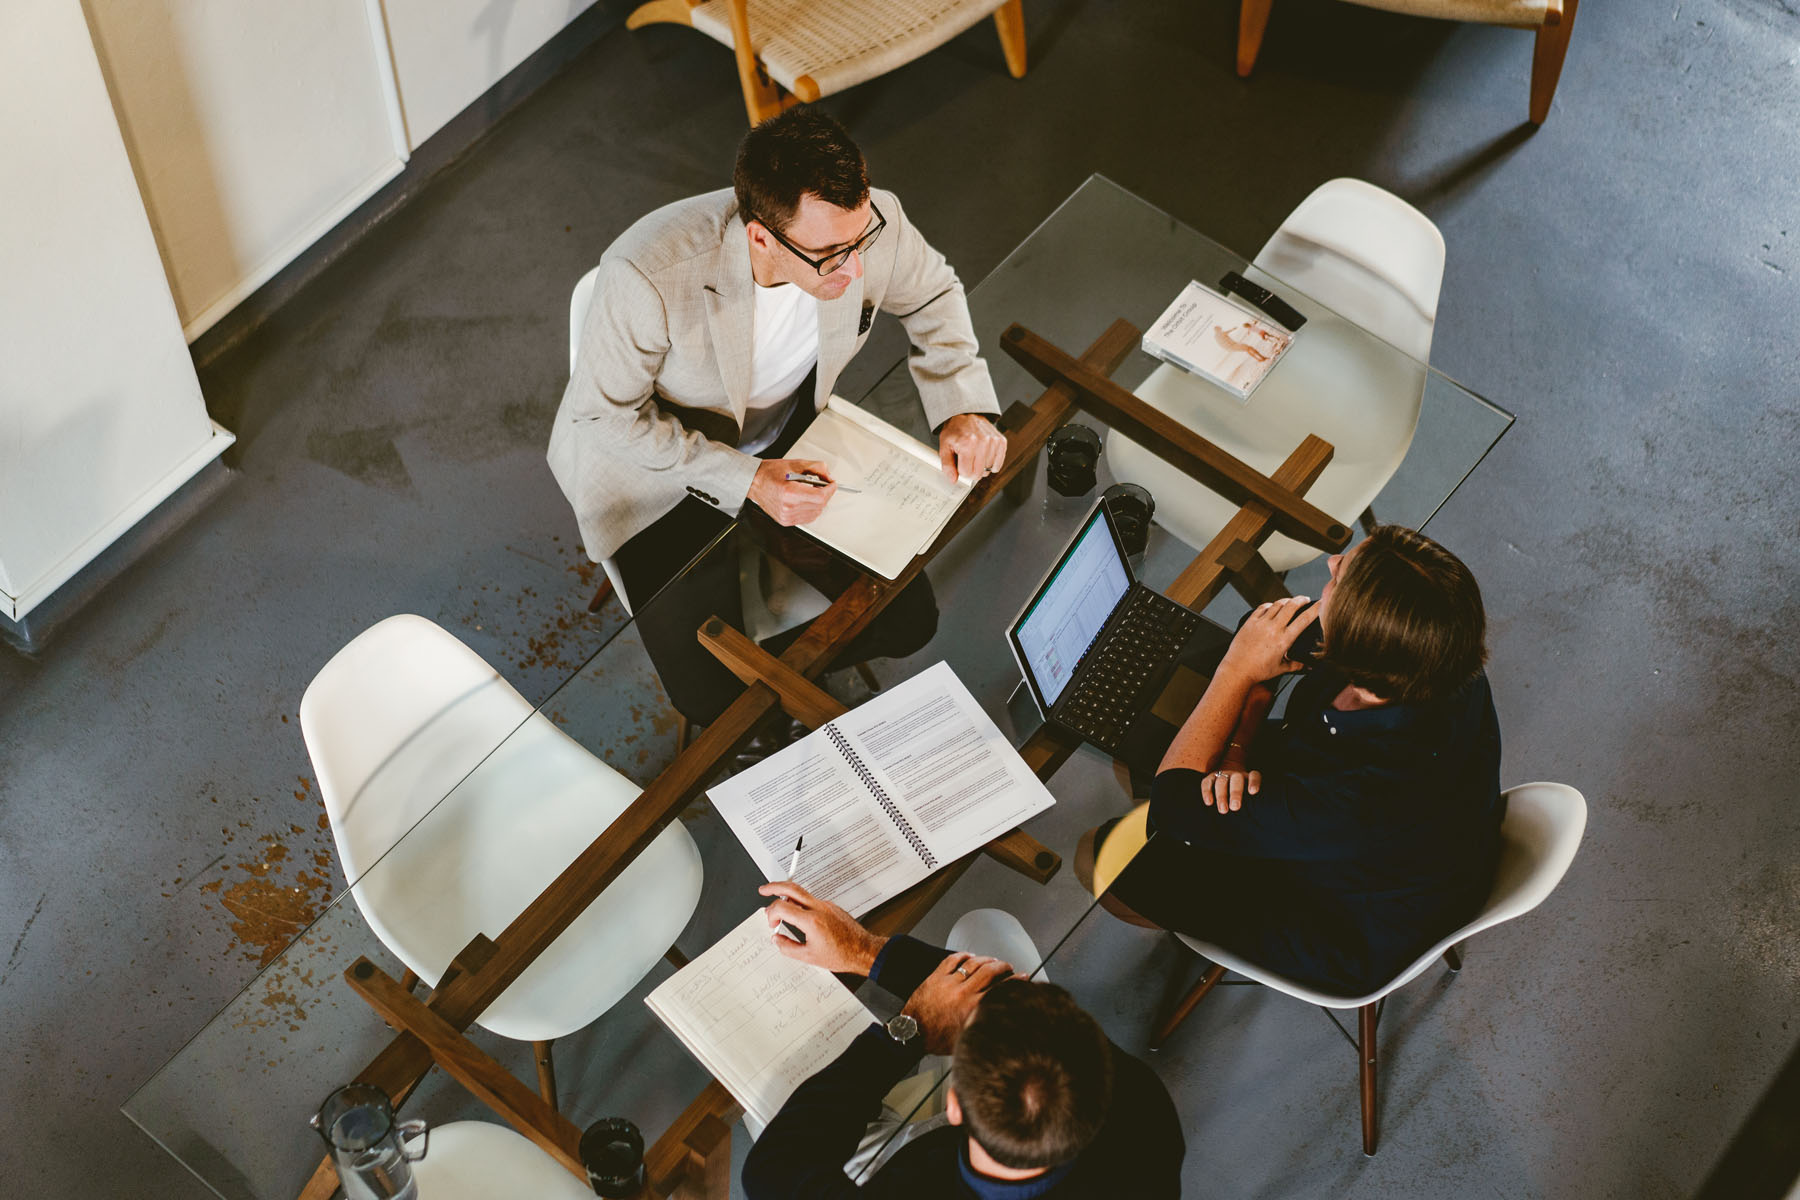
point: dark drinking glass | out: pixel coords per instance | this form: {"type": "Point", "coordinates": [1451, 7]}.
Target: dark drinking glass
{"type": "Point", "coordinates": [1073, 451]}
{"type": "Point", "coordinates": [612, 1150]}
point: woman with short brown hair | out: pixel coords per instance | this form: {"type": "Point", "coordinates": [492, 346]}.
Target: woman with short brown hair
{"type": "Point", "coordinates": [1337, 844]}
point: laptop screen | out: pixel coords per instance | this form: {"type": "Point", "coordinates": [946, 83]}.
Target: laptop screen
{"type": "Point", "coordinates": [1066, 615]}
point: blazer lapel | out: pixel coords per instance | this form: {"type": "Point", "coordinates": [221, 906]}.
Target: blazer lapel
{"type": "Point", "coordinates": [838, 321]}
{"type": "Point", "coordinates": [730, 308]}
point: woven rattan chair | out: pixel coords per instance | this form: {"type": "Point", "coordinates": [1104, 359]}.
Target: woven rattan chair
{"type": "Point", "coordinates": [1552, 20]}
{"type": "Point", "coordinates": [794, 51]}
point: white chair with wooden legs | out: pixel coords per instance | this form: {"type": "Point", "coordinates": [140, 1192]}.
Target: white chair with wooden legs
{"type": "Point", "coordinates": [795, 51]}
{"type": "Point", "coordinates": [478, 1160]}
{"type": "Point", "coordinates": [1551, 20]}
{"type": "Point", "coordinates": [1373, 260]}
{"type": "Point", "coordinates": [454, 805]}
{"type": "Point", "coordinates": [1543, 827]}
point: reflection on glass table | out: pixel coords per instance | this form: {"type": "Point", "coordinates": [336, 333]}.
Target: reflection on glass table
{"type": "Point", "coordinates": [233, 1104]}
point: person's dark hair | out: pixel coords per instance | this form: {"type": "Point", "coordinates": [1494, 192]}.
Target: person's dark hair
{"type": "Point", "coordinates": [802, 150]}
{"type": "Point", "coordinates": [1405, 619]}
{"type": "Point", "coordinates": [1033, 1073]}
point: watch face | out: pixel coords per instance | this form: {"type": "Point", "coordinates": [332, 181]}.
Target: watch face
{"type": "Point", "coordinates": [903, 1028]}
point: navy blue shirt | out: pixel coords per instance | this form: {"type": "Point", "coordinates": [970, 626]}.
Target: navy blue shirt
{"type": "Point", "coordinates": [1375, 834]}
{"type": "Point", "coordinates": [801, 1155]}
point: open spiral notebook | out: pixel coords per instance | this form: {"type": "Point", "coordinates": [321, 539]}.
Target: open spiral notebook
{"type": "Point", "coordinates": [911, 779]}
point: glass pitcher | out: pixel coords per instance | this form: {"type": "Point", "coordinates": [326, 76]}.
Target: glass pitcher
{"type": "Point", "coordinates": [368, 1146]}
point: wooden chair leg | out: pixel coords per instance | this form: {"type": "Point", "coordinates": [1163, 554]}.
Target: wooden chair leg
{"type": "Point", "coordinates": [1253, 20]}
{"type": "Point", "coordinates": [410, 980]}
{"type": "Point", "coordinates": [681, 733]}
{"type": "Point", "coordinates": [868, 676]}
{"type": "Point", "coordinates": [1366, 1052]}
{"type": "Point", "coordinates": [1453, 958]}
{"type": "Point", "coordinates": [1367, 520]}
{"type": "Point", "coordinates": [546, 1069]}
{"type": "Point", "coordinates": [600, 594]}
{"type": "Point", "coordinates": [675, 957]}
{"type": "Point", "coordinates": [1009, 19]}
{"type": "Point", "coordinates": [1207, 982]}
{"type": "Point", "coordinates": [763, 97]}
{"type": "Point", "coordinates": [1547, 61]}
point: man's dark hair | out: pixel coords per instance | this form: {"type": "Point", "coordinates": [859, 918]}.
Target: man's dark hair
{"type": "Point", "coordinates": [802, 150]}
{"type": "Point", "coordinates": [1033, 1073]}
{"type": "Point", "coordinates": [1405, 619]}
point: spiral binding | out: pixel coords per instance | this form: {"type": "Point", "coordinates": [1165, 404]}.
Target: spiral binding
{"type": "Point", "coordinates": [881, 797]}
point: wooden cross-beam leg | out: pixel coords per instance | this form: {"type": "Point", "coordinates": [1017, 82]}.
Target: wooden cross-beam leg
{"type": "Point", "coordinates": [1174, 442]}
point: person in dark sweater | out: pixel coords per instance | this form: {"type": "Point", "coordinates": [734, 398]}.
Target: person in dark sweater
{"type": "Point", "coordinates": [1337, 845]}
{"type": "Point", "coordinates": [1039, 1102]}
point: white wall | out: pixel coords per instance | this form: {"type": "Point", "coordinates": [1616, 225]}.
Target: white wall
{"type": "Point", "coordinates": [448, 52]}
{"type": "Point", "coordinates": [100, 413]}
{"type": "Point", "coordinates": [254, 127]}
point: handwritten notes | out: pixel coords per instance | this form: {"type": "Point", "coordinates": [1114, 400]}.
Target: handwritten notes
{"type": "Point", "coordinates": [760, 1022]}
{"type": "Point", "coordinates": [904, 501]}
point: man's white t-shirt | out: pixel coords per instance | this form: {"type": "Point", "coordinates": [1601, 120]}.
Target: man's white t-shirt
{"type": "Point", "coordinates": [785, 345]}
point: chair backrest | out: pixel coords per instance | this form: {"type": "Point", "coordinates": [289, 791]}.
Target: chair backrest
{"type": "Point", "coordinates": [579, 303]}
{"type": "Point", "coordinates": [477, 1160]}
{"type": "Point", "coordinates": [1366, 254]}
{"type": "Point", "coordinates": [1542, 830]}
{"type": "Point", "coordinates": [392, 723]}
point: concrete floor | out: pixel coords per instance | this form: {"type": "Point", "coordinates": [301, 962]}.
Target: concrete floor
{"type": "Point", "coordinates": [1624, 280]}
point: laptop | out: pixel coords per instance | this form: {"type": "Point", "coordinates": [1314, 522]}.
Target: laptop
{"type": "Point", "coordinates": [1096, 647]}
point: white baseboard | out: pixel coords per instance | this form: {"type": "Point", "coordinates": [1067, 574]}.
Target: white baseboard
{"type": "Point", "coordinates": [15, 607]}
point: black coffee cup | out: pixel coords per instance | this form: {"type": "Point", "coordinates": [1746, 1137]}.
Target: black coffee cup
{"type": "Point", "coordinates": [1131, 507]}
{"type": "Point", "coordinates": [1073, 450]}
{"type": "Point", "coordinates": [612, 1150]}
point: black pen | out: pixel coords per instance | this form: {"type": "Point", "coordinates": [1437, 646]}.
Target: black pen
{"type": "Point", "coordinates": [794, 931]}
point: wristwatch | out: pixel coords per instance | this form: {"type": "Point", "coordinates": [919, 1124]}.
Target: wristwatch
{"type": "Point", "coordinates": [903, 1028]}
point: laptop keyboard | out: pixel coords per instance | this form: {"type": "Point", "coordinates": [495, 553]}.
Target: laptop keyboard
{"type": "Point", "coordinates": [1150, 630]}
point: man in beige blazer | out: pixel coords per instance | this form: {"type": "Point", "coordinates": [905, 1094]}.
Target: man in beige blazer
{"type": "Point", "coordinates": [718, 329]}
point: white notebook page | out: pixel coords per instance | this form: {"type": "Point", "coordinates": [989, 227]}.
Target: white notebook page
{"type": "Point", "coordinates": [760, 1022]}
{"type": "Point", "coordinates": [904, 501]}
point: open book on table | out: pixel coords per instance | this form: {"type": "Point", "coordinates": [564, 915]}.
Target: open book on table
{"type": "Point", "coordinates": [913, 779]}
{"type": "Point", "coordinates": [903, 500]}
{"type": "Point", "coordinates": [760, 1022]}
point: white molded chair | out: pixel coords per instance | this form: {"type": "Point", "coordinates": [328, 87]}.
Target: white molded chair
{"type": "Point", "coordinates": [478, 1160]}
{"type": "Point", "coordinates": [1543, 827]}
{"type": "Point", "coordinates": [454, 804]}
{"type": "Point", "coordinates": [789, 51]}
{"type": "Point", "coordinates": [1552, 20]}
{"type": "Point", "coordinates": [774, 598]}
{"type": "Point", "coordinates": [1370, 258]}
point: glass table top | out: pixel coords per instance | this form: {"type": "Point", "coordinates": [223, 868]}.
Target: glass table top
{"type": "Point", "coordinates": [232, 1105]}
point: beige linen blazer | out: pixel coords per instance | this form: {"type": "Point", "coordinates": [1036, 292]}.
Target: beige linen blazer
{"type": "Point", "coordinates": [654, 409]}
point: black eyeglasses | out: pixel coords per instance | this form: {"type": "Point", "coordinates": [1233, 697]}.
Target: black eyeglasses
{"type": "Point", "coordinates": [837, 258]}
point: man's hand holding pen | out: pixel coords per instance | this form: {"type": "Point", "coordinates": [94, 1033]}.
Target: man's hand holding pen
{"type": "Point", "coordinates": [834, 939]}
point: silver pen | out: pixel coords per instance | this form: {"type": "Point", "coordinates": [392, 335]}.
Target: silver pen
{"type": "Point", "coordinates": [811, 480]}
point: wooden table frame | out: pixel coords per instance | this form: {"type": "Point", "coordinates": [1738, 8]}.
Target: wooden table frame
{"type": "Point", "coordinates": [692, 1157]}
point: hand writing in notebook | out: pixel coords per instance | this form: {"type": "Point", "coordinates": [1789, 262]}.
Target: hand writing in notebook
{"type": "Point", "coordinates": [834, 940]}
{"type": "Point", "coordinates": [788, 500]}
